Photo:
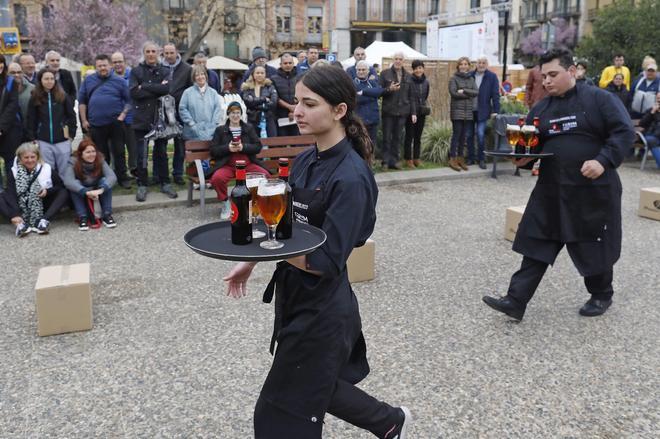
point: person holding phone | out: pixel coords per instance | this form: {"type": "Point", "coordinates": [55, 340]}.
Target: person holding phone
{"type": "Point", "coordinates": [321, 351]}
{"type": "Point", "coordinates": [233, 141]}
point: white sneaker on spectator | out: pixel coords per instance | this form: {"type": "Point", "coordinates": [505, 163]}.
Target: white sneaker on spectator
{"type": "Point", "coordinates": [196, 186]}
{"type": "Point", "coordinates": [42, 227]}
{"type": "Point", "coordinates": [22, 230]}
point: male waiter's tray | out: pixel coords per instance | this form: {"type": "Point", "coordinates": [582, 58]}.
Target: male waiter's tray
{"type": "Point", "coordinates": [513, 155]}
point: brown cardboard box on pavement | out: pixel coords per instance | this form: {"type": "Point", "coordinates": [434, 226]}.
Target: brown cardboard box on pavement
{"type": "Point", "coordinates": [64, 299]}
{"type": "Point", "coordinates": [361, 262]}
{"type": "Point", "coordinates": [513, 216]}
{"type": "Point", "coordinates": [649, 203]}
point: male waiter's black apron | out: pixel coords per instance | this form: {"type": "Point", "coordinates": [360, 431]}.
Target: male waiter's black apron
{"type": "Point", "coordinates": [566, 208]}
{"type": "Point", "coordinates": [317, 330]}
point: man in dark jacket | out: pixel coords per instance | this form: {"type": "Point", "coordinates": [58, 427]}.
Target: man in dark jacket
{"type": "Point", "coordinates": [398, 103]}
{"type": "Point", "coordinates": [360, 55]}
{"type": "Point", "coordinates": [179, 79]}
{"type": "Point", "coordinates": [103, 103]}
{"type": "Point", "coordinates": [62, 76]}
{"type": "Point", "coordinates": [259, 58]}
{"type": "Point", "coordinates": [149, 81]}
{"type": "Point", "coordinates": [486, 106]}
{"type": "Point", "coordinates": [312, 57]}
{"type": "Point", "coordinates": [285, 84]}
{"type": "Point", "coordinates": [577, 200]}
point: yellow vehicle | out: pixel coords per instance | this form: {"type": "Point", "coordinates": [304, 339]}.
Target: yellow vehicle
{"type": "Point", "coordinates": [10, 41]}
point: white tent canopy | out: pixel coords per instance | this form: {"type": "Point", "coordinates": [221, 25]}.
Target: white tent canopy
{"type": "Point", "coordinates": [222, 63]}
{"type": "Point", "coordinates": [382, 49]}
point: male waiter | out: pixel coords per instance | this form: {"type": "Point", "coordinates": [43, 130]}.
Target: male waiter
{"type": "Point", "coordinates": [577, 198]}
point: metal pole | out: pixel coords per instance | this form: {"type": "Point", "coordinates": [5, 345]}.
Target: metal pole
{"type": "Point", "coordinates": [506, 43]}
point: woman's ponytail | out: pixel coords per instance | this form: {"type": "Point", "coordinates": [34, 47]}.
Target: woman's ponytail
{"type": "Point", "coordinates": [359, 136]}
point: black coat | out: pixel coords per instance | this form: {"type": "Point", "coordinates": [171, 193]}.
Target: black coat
{"type": "Point", "coordinates": [402, 102]}
{"type": "Point", "coordinates": [266, 101]}
{"type": "Point", "coordinates": [285, 84]}
{"type": "Point", "coordinates": [651, 123]}
{"type": "Point", "coordinates": [179, 81]}
{"type": "Point", "coordinates": [145, 85]}
{"type": "Point", "coordinates": [620, 92]}
{"type": "Point", "coordinates": [60, 115]}
{"type": "Point", "coordinates": [8, 107]}
{"type": "Point", "coordinates": [67, 83]}
{"type": "Point", "coordinates": [587, 123]}
{"type": "Point", "coordinates": [220, 145]}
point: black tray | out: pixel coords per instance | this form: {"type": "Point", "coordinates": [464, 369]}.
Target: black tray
{"type": "Point", "coordinates": [214, 240]}
{"type": "Point", "coordinates": [509, 154]}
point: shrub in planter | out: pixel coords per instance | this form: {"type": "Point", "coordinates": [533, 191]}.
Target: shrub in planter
{"type": "Point", "coordinates": [436, 140]}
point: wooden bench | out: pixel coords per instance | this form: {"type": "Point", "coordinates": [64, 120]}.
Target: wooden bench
{"type": "Point", "coordinates": [274, 149]}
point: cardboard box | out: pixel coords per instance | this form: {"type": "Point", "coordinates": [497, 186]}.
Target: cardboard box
{"type": "Point", "coordinates": [649, 203]}
{"type": "Point", "coordinates": [64, 299]}
{"type": "Point", "coordinates": [361, 263]}
{"type": "Point", "coordinates": [513, 216]}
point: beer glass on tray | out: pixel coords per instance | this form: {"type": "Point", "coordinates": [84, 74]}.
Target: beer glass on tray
{"type": "Point", "coordinates": [513, 135]}
{"type": "Point", "coordinates": [528, 135]}
{"type": "Point", "coordinates": [252, 180]}
{"type": "Point", "coordinates": [271, 199]}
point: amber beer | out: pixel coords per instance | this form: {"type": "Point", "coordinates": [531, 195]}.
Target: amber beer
{"type": "Point", "coordinates": [513, 135]}
{"type": "Point", "coordinates": [252, 183]}
{"type": "Point", "coordinates": [285, 226]}
{"type": "Point", "coordinates": [272, 204]}
{"type": "Point", "coordinates": [528, 133]}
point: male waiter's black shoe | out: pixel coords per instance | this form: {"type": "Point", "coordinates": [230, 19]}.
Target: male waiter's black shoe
{"type": "Point", "coordinates": [506, 305]}
{"type": "Point", "coordinates": [595, 307]}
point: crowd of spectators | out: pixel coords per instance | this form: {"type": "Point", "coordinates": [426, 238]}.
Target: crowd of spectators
{"type": "Point", "coordinates": [119, 109]}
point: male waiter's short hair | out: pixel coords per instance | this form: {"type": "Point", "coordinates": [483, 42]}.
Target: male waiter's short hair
{"type": "Point", "coordinates": [564, 56]}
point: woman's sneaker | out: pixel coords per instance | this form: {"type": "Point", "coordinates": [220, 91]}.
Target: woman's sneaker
{"type": "Point", "coordinates": [22, 230]}
{"type": "Point", "coordinates": [400, 429]}
{"type": "Point", "coordinates": [109, 222]}
{"type": "Point", "coordinates": [83, 224]}
{"type": "Point", "coordinates": [42, 227]}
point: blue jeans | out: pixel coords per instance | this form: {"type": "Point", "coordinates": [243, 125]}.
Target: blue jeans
{"type": "Point", "coordinates": [80, 203]}
{"type": "Point", "coordinates": [460, 130]}
{"type": "Point", "coordinates": [178, 157]}
{"type": "Point", "coordinates": [654, 146]}
{"type": "Point", "coordinates": [481, 140]}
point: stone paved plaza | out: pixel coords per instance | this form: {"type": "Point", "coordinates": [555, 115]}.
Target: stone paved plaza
{"type": "Point", "coordinates": [171, 356]}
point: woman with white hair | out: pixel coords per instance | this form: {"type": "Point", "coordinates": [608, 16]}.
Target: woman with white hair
{"type": "Point", "coordinates": [34, 193]}
{"type": "Point", "coordinates": [368, 91]}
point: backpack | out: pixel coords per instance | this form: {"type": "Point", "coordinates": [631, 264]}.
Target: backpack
{"type": "Point", "coordinates": [165, 125]}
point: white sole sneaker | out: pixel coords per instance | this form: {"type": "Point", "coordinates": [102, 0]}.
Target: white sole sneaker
{"type": "Point", "coordinates": [406, 422]}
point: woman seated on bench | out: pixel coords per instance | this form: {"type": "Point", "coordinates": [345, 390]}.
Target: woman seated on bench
{"type": "Point", "coordinates": [34, 193]}
{"type": "Point", "coordinates": [90, 178]}
{"type": "Point", "coordinates": [233, 141]}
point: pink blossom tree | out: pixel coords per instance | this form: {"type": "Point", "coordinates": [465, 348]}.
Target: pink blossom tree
{"type": "Point", "coordinates": [80, 30]}
{"type": "Point", "coordinates": [534, 44]}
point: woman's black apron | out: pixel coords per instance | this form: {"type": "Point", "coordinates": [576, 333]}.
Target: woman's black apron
{"type": "Point", "coordinates": [317, 327]}
{"type": "Point", "coordinates": [565, 207]}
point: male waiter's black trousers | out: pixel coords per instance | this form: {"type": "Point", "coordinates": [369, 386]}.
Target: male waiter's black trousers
{"type": "Point", "coordinates": [525, 281]}
{"type": "Point", "coordinates": [348, 403]}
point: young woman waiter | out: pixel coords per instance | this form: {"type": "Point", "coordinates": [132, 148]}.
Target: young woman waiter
{"type": "Point", "coordinates": [321, 353]}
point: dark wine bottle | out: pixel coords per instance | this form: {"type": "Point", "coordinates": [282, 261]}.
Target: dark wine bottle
{"type": "Point", "coordinates": [241, 228]}
{"type": "Point", "coordinates": [285, 226]}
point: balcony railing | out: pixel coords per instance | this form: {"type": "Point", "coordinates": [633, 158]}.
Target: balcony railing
{"type": "Point", "coordinates": [566, 11]}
